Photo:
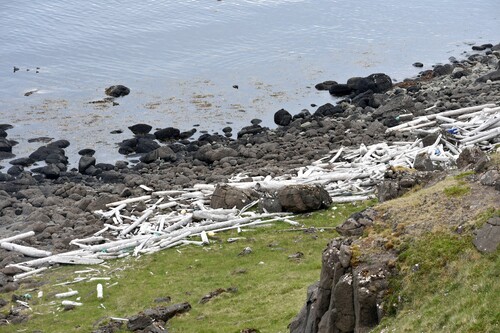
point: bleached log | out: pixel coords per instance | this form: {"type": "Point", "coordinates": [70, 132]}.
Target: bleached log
{"type": "Point", "coordinates": [209, 215]}
{"type": "Point", "coordinates": [26, 250]}
{"type": "Point", "coordinates": [168, 193]}
{"type": "Point", "coordinates": [99, 291]}
{"type": "Point", "coordinates": [71, 303]}
{"type": "Point", "coordinates": [20, 276]}
{"type": "Point", "coordinates": [485, 111]}
{"type": "Point", "coordinates": [42, 261]}
{"type": "Point", "coordinates": [168, 205]}
{"type": "Point", "coordinates": [125, 320]}
{"type": "Point", "coordinates": [87, 240]}
{"type": "Point", "coordinates": [100, 232]}
{"type": "Point", "coordinates": [200, 187]}
{"type": "Point", "coordinates": [146, 188]}
{"type": "Point", "coordinates": [204, 237]}
{"type": "Point", "coordinates": [352, 198]}
{"type": "Point", "coordinates": [67, 294]}
{"type": "Point", "coordinates": [21, 267]}
{"type": "Point", "coordinates": [489, 134]}
{"type": "Point", "coordinates": [137, 222]}
{"type": "Point", "coordinates": [166, 242]}
{"type": "Point", "coordinates": [25, 304]}
{"type": "Point", "coordinates": [483, 137]}
{"type": "Point", "coordinates": [184, 221]}
{"type": "Point", "coordinates": [128, 201]}
{"type": "Point", "coordinates": [17, 237]}
{"type": "Point", "coordinates": [75, 260]}
{"type": "Point", "coordinates": [414, 127]}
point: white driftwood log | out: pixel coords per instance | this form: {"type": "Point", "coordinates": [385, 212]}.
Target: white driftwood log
{"type": "Point", "coordinates": [67, 294]}
{"type": "Point", "coordinates": [71, 303]}
{"type": "Point", "coordinates": [30, 273]}
{"type": "Point", "coordinates": [17, 237]}
{"type": "Point", "coordinates": [99, 291]}
{"type": "Point", "coordinates": [127, 201]}
{"type": "Point", "coordinates": [136, 223]}
{"type": "Point", "coordinates": [26, 250]}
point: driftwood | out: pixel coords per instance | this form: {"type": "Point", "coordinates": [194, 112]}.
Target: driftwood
{"type": "Point", "coordinates": [67, 294]}
{"type": "Point", "coordinates": [17, 237]}
{"type": "Point", "coordinates": [26, 250]}
{"type": "Point", "coordinates": [100, 294]}
{"type": "Point", "coordinates": [348, 174]}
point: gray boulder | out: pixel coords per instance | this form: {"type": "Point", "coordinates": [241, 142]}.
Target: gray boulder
{"type": "Point", "coordinates": [303, 198]}
{"type": "Point", "coordinates": [209, 155]}
{"type": "Point", "coordinates": [85, 162]}
{"type": "Point", "coordinates": [163, 153]}
{"type": "Point", "coordinates": [471, 158]}
{"type": "Point", "coordinates": [226, 196]}
{"type": "Point", "coordinates": [487, 238]}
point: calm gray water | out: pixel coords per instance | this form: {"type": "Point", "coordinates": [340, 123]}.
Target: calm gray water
{"type": "Point", "coordinates": [181, 58]}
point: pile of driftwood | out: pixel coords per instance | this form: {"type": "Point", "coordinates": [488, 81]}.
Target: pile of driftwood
{"type": "Point", "coordinates": [171, 218]}
{"type": "Point", "coordinates": [176, 217]}
{"type": "Point", "coordinates": [476, 125]}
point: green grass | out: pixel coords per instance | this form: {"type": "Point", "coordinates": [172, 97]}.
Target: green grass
{"type": "Point", "coordinates": [271, 288]}
{"type": "Point", "coordinates": [457, 190]}
{"type": "Point", "coordinates": [444, 285]}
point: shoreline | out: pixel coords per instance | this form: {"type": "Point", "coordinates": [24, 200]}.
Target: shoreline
{"type": "Point", "coordinates": [59, 206]}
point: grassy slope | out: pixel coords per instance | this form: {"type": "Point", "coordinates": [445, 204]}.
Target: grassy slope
{"type": "Point", "coordinates": [271, 288]}
{"type": "Point", "coordinates": [445, 284]}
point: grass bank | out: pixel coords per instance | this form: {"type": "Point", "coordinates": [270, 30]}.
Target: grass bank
{"type": "Point", "coordinates": [268, 285]}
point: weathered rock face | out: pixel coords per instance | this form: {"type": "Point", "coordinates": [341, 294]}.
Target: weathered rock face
{"type": "Point", "coordinates": [487, 238]}
{"type": "Point", "coordinates": [349, 296]}
{"type": "Point", "coordinates": [399, 181]}
{"type": "Point", "coordinates": [303, 198]}
{"type": "Point", "coordinates": [470, 157]}
{"type": "Point", "coordinates": [226, 196]}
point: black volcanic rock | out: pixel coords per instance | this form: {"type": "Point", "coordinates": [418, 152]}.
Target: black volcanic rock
{"type": "Point", "coordinates": [168, 133]}
{"type": "Point", "coordinates": [86, 152]}
{"type": "Point", "coordinates": [117, 91]}
{"type": "Point", "coordinates": [140, 129]}
{"type": "Point", "coordinates": [282, 118]}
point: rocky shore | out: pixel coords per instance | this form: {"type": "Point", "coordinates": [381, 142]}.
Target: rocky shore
{"type": "Point", "coordinates": [39, 192]}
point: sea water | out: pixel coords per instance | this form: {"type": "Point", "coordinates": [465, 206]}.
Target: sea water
{"type": "Point", "coordinates": [181, 59]}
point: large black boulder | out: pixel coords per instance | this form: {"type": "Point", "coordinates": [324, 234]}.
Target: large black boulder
{"type": "Point", "coordinates": [492, 76]}
{"type": "Point", "coordinates": [5, 145]}
{"type": "Point", "coordinates": [43, 152]}
{"type": "Point", "coordinates": [282, 117]}
{"type": "Point", "coordinates": [340, 89]}
{"type": "Point", "coordinates": [326, 85]}
{"type": "Point", "coordinates": [168, 133]}
{"type": "Point", "coordinates": [59, 144]}
{"type": "Point", "coordinates": [328, 110]}
{"type": "Point", "coordinates": [85, 162]}
{"type": "Point", "coordinates": [140, 129]}
{"type": "Point", "coordinates": [145, 145]}
{"type": "Point", "coordinates": [164, 153]}
{"type": "Point", "coordinates": [22, 161]}
{"type": "Point", "coordinates": [117, 91]}
{"type": "Point", "coordinates": [441, 70]}
{"type": "Point", "coordinates": [51, 171]}
{"type": "Point", "coordinates": [378, 83]}
{"type": "Point", "coordinates": [187, 134]}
